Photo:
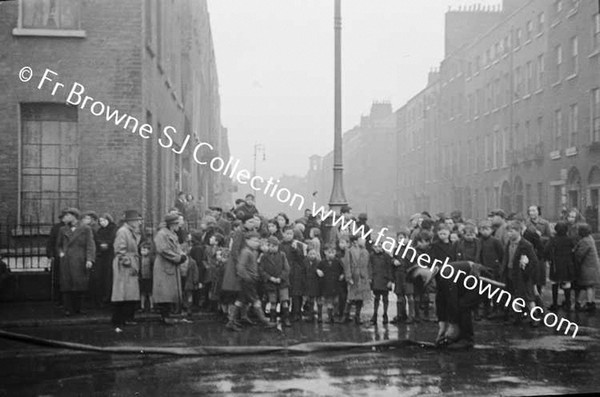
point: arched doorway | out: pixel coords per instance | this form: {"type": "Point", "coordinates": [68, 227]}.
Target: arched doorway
{"type": "Point", "coordinates": [573, 188]}
{"type": "Point", "coordinates": [505, 197]}
{"type": "Point", "coordinates": [518, 189]}
{"type": "Point", "coordinates": [591, 212]}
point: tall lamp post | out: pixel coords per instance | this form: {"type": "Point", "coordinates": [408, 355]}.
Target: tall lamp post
{"type": "Point", "coordinates": [338, 197]}
{"type": "Point", "coordinates": [259, 148]}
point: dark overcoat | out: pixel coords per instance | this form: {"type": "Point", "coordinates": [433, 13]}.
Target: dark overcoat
{"type": "Point", "coordinates": [587, 265]}
{"type": "Point", "coordinates": [328, 284]}
{"type": "Point", "coordinates": [380, 271]}
{"type": "Point", "coordinates": [521, 281]}
{"type": "Point", "coordinates": [559, 252]}
{"type": "Point", "coordinates": [75, 247]}
{"type": "Point", "coordinates": [295, 257]}
{"type": "Point", "coordinates": [312, 279]}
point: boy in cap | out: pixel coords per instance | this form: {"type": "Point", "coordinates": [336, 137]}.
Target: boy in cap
{"type": "Point", "coordinates": [275, 271]}
{"type": "Point", "coordinates": [248, 273]}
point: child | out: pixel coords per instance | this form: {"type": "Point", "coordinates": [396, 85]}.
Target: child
{"type": "Point", "coordinates": [423, 244]}
{"type": "Point", "coordinates": [342, 248]}
{"type": "Point", "coordinates": [330, 272]}
{"type": "Point", "coordinates": [311, 264]}
{"type": "Point", "coordinates": [146, 265]}
{"type": "Point", "coordinates": [247, 271]}
{"type": "Point", "coordinates": [293, 251]}
{"type": "Point", "coordinates": [520, 267]}
{"type": "Point", "coordinates": [454, 237]}
{"type": "Point", "coordinates": [468, 248]}
{"type": "Point", "coordinates": [198, 253]}
{"type": "Point", "coordinates": [559, 252]}
{"type": "Point", "coordinates": [491, 256]}
{"type": "Point", "coordinates": [192, 284]}
{"type": "Point", "coordinates": [275, 271]}
{"type": "Point", "coordinates": [356, 273]}
{"type": "Point", "coordinates": [215, 244]}
{"type": "Point", "coordinates": [380, 274]}
{"type": "Point", "coordinates": [588, 266]}
{"type": "Point", "coordinates": [403, 287]}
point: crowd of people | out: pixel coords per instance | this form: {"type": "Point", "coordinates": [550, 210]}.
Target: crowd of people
{"type": "Point", "coordinates": [254, 269]}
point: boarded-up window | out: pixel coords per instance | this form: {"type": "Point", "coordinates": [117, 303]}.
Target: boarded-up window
{"type": "Point", "coordinates": [49, 161]}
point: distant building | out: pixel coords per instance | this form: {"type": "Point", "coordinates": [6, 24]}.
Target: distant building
{"type": "Point", "coordinates": [150, 59]}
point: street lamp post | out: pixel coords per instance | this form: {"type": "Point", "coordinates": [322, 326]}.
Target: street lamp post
{"type": "Point", "coordinates": [338, 197]}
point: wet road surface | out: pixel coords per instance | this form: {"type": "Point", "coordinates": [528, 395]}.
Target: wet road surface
{"type": "Point", "coordinates": [507, 360]}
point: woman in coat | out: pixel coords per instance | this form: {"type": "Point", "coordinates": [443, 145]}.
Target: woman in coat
{"type": "Point", "coordinates": [126, 268]}
{"type": "Point", "coordinates": [166, 282]}
{"type": "Point", "coordinates": [559, 252]}
{"type": "Point", "coordinates": [77, 252]}
{"type": "Point", "coordinates": [588, 267]}
{"type": "Point", "coordinates": [101, 275]}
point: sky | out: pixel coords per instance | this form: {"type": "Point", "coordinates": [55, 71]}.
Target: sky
{"type": "Point", "coordinates": [275, 63]}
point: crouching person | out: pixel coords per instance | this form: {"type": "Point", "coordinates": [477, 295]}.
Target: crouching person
{"type": "Point", "coordinates": [247, 271]}
{"type": "Point", "coordinates": [454, 303]}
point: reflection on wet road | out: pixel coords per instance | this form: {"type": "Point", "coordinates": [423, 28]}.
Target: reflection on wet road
{"type": "Point", "coordinates": [507, 360]}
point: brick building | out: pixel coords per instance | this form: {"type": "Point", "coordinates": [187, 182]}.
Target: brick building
{"type": "Point", "coordinates": [151, 60]}
{"type": "Point", "coordinates": [511, 118]}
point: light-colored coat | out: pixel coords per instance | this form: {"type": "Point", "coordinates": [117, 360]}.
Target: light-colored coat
{"type": "Point", "coordinates": [126, 265]}
{"type": "Point", "coordinates": [356, 268]}
{"type": "Point", "coordinates": [166, 281]}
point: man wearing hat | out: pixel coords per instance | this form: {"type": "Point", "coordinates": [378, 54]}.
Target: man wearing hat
{"type": "Point", "coordinates": [126, 268]}
{"type": "Point", "coordinates": [77, 251]}
{"type": "Point", "coordinates": [166, 282]}
{"type": "Point", "coordinates": [52, 254]}
{"type": "Point", "coordinates": [498, 218]}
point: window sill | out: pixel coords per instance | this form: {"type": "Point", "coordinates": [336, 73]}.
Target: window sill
{"type": "Point", "coordinates": [572, 151]}
{"type": "Point", "coordinates": [527, 42]}
{"type": "Point", "coordinates": [540, 34]}
{"type": "Point", "coordinates": [150, 50]}
{"type": "Point", "coordinates": [595, 53]}
{"type": "Point", "coordinates": [517, 48]}
{"type": "Point", "coordinates": [556, 84]}
{"type": "Point", "coordinates": [527, 96]}
{"type": "Point", "coordinates": [49, 32]}
{"type": "Point", "coordinates": [554, 155]}
{"type": "Point", "coordinates": [571, 77]}
{"type": "Point", "coordinates": [539, 91]}
{"type": "Point", "coordinates": [572, 12]}
{"type": "Point", "coordinates": [555, 23]}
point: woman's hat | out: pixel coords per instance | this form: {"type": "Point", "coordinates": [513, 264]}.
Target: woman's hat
{"type": "Point", "coordinates": [132, 215]}
{"type": "Point", "coordinates": [171, 219]}
{"type": "Point", "coordinates": [91, 214]}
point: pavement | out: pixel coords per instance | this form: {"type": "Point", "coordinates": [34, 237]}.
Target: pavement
{"type": "Point", "coordinates": [44, 314]}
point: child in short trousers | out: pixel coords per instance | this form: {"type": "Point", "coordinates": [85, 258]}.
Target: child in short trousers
{"type": "Point", "coordinates": [275, 272]}
{"type": "Point", "coordinates": [330, 272]}
{"type": "Point", "coordinates": [311, 263]}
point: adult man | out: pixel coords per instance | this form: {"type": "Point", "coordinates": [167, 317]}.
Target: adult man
{"type": "Point", "coordinates": [126, 268]}
{"type": "Point", "coordinates": [77, 251]}
{"type": "Point", "coordinates": [166, 282]}
{"type": "Point", "coordinates": [362, 221]}
{"type": "Point", "coordinates": [181, 203]}
{"type": "Point", "coordinates": [222, 223]}
{"type": "Point", "coordinates": [249, 206]}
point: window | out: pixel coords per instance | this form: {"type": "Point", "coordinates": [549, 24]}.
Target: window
{"type": "Point", "coordinates": [518, 37]}
{"type": "Point", "coordinates": [518, 83]}
{"type": "Point", "coordinates": [574, 53]}
{"type": "Point", "coordinates": [539, 78]}
{"type": "Point", "coordinates": [49, 161]}
{"type": "Point", "coordinates": [529, 31]}
{"type": "Point", "coordinates": [596, 115]}
{"type": "Point", "coordinates": [539, 136]}
{"type": "Point", "coordinates": [541, 21]}
{"type": "Point", "coordinates": [505, 147]}
{"type": "Point", "coordinates": [50, 14]}
{"type": "Point", "coordinates": [558, 5]}
{"type": "Point", "coordinates": [498, 91]}
{"type": "Point", "coordinates": [477, 64]}
{"type": "Point", "coordinates": [558, 54]}
{"type": "Point", "coordinates": [148, 33]}
{"type": "Point", "coordinates": [498, 149]}
{"type": "Point", "coordinates": [528, 138]}
{"type": "Point", "coordinates": [596, 32]}
{"type": "Point", "coordinates": [506, 43]}
{"type": "Point", "coordinates": [159, 38]}
{"type": "Point", "coordinates": [557, 129]}
{"type": "Point", "coordinates": [486, 153]}
{"type": "Point", "coordinates": [573, 125]}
